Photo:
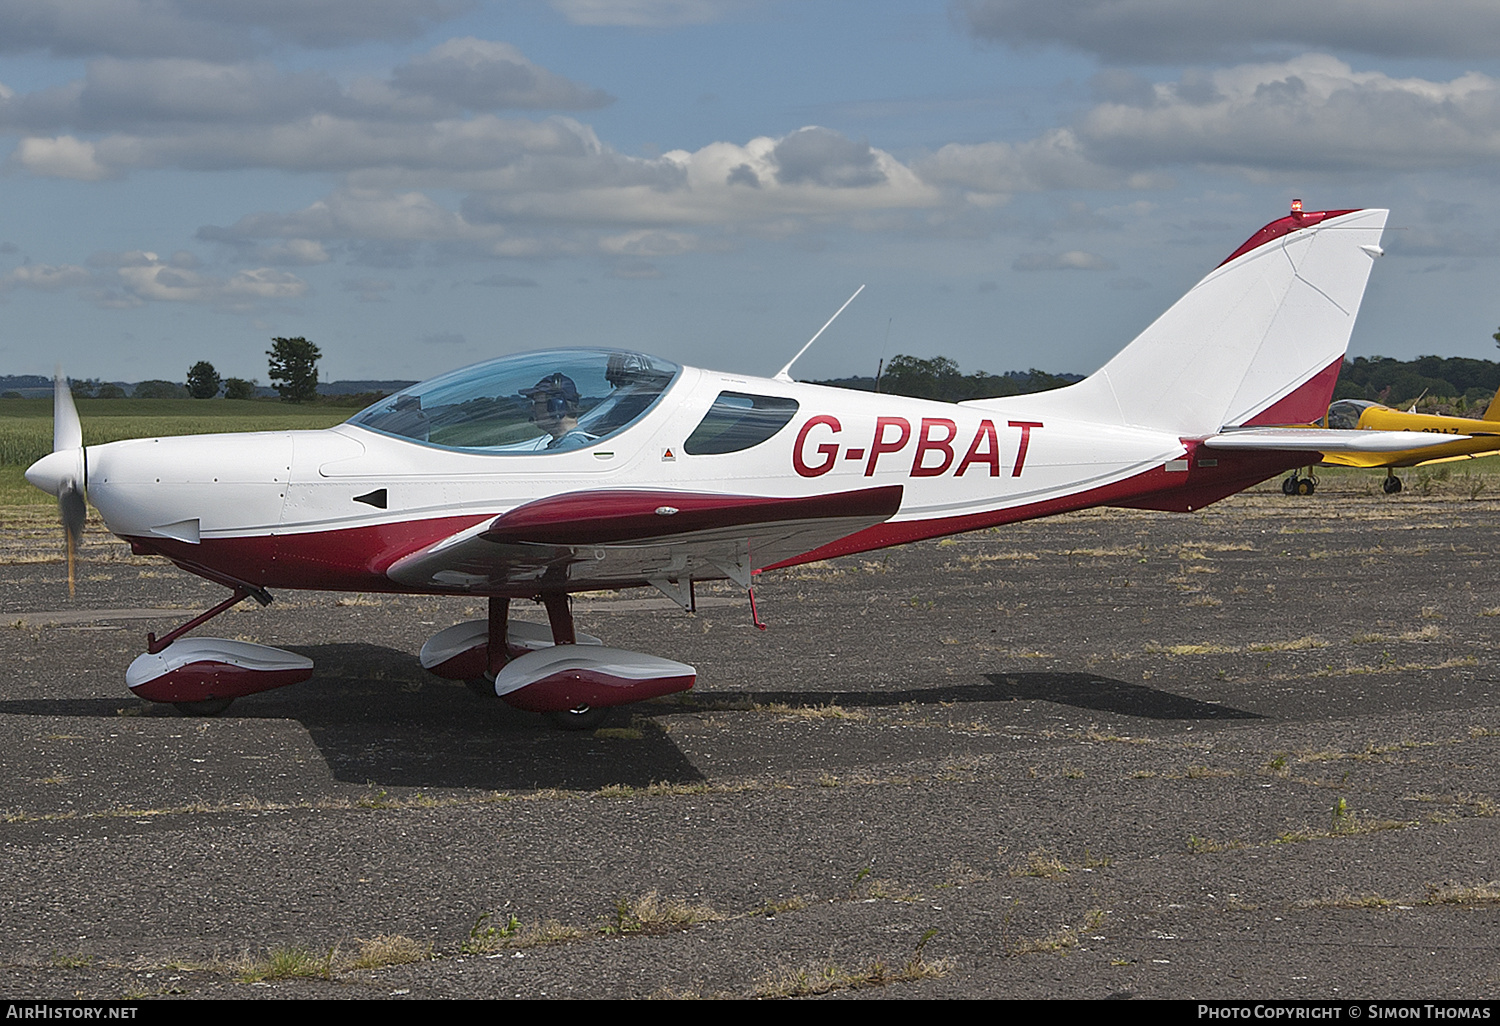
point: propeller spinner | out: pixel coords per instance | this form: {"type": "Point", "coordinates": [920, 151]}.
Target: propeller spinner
{"type": "Point", "coordinates": [64, 472]}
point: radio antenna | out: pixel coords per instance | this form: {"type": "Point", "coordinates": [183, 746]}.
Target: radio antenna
{"type": "Point", "coordinates": [785, 374]}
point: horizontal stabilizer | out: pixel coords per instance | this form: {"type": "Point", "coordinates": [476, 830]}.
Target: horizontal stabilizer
{"type": "Point", "coordinates": [1326, 440]}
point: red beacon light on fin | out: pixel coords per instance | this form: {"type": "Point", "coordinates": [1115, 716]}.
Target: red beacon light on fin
{"type": "Point", "coordinates": [1296, 208]}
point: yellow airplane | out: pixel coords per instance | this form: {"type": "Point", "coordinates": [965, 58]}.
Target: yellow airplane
{"type": "Point", "coordinates": [1481, 438]}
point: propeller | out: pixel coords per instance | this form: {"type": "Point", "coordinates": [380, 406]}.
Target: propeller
{"type": "Point", "coordinates": [64, 471]}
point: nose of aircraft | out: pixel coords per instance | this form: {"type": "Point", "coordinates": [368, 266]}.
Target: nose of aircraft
{"type": "Point", "coordinates": [56, 470]}
{"type": "Point", "coordinates": [154, 486]}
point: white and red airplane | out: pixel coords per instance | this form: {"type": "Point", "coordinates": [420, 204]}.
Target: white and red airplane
{"type": "Point", "coordinates": [547, 473]}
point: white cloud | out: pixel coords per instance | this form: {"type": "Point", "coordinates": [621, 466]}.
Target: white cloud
{"type": "Point", "coordinates": [478, 74]}
{"type": "Point", "coordinates": [649, 243]}
{"type": "Point", "coordinates": [208, 28]}
{"type": "Point", "coordinates": [1309, 114]}
{"type": "Point", "coordinates": [576, 199]}
{"type": "Point", "coordinates": [45, 277]}
{"type": "Point", "coordinates": [1072, 260]}
{"type": "Point", "coordinates": [62, 157]}
{"type": "Point", "coordinates": [1161, 31]}
{"type": "Point", "coordinates": [1055, 160]}
{"type": "Point", "coordinates": [135, 277]}
{"type": "Point", "coordinates": [647, 13]}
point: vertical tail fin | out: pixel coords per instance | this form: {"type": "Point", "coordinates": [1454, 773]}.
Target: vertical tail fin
{"type": "Point", "coordinates": [1492, 412]}
{"type": "Point", "coordinates": [1259, 341]}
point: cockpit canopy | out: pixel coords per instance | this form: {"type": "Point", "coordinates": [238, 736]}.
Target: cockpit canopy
{"type": "Point", "coordinates": [547, 401]}
{"type": "Point", "coordinates": [1345, 413]}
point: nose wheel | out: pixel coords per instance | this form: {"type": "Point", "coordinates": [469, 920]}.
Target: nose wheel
{"type": "Point", "coordinates": [581, 717]}
{"type": "Point", "coordinates": [1392, 483]}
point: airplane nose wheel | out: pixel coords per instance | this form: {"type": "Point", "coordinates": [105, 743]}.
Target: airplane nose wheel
{"type": "Point", "coordinates": [1392, 485]}
{"type": "Point", "coordinates": [204, 707]}
{"type": "Point", "coordinates": [580, 717]}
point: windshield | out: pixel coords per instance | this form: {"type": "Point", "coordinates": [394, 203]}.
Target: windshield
{"type": "Point", "coordinates": [548, 401]}
{"type": "Point", "coordinates": [1345, 413]}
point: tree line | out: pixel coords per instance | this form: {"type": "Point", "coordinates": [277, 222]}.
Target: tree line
{"type": "Point", "coordinates": [292, 369]}
{"type": "Point", "coordinates": [1443, 383]}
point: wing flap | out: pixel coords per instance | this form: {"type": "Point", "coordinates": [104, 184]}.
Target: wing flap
{"type": "Point", "coordinates": [622, 538]}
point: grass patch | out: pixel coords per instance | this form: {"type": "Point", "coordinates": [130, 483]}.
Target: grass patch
{"type": "Point", "coordinates": [1343, 822]}
{"type": "Point", "coordinates": [1048, 865]}
{"type": "Point", "coordinates": [1059, 943]}
{"type": "Point", "coordinates": [291, 962]}
{"type": "Point", "coordinates": [390, 949]}
{"type": "Point", "coordinates": [830, 977]}
{"type": "Point", "coordinates": [1455, 894]}
{"type": "Point", "coordinates": [651, 913]}
{"type": "Point", "coordinates": [1296, 645]}
{"type": "Point", "coordinates": [1348, 901]}
{"type": "Point", "coordinates": [811, 712]}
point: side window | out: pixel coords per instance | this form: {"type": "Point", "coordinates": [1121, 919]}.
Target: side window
{"type": "Point", "coordinates": [738, 421]}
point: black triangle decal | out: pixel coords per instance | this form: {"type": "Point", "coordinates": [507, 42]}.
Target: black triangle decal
{"type": "Point", "coordinates": [375, 498]}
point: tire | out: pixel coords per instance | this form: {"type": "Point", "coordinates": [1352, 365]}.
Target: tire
{"type": "Point", "coordinates": [204, 707]}
{"type": "Point", "coordinates": [1392, 485]}
{"type": "Point", "coordinates": [1289, 486]}
{"type": "Point", "coordinates": [581, 717]}
{"type": "Point", "coordinates": [1305, 486]}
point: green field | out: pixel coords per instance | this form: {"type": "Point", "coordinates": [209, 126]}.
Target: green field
{"type": "Point", "coordinates": [26, 428]}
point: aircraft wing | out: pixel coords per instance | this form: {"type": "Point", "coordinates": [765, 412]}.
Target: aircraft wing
{"type": "Point", "coordinates": [615, 538]}
{"type": "Point", "coordinates": [1296, 439]}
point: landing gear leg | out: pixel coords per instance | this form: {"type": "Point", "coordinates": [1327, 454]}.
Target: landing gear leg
{"type": "Point", "coordinates": [560, 617]}
{"type": "Point", "coordinates": [1392, 483]}
{"type": "Point", "coordinates": [497, 648]}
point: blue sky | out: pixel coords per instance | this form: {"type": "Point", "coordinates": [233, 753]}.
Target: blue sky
{"type": "Point", "coordinates": [420, 184]}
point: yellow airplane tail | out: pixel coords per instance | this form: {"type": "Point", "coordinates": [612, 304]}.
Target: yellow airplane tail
{"type": "Point", "coordinates": [1493, 412]}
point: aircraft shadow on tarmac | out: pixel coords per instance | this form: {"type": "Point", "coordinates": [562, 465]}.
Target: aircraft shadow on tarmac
{"type": "Point", "coordinates": [378, 718]}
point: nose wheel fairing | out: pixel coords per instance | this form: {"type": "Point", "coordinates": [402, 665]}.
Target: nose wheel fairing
{"type": "Point", "coordinates": [203, 669]}
{"type": "Point", "coordinates": [568, 677]}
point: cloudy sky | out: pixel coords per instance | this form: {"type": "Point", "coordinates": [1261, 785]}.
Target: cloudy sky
{"type": "Point", "coordinates": [420, 184]}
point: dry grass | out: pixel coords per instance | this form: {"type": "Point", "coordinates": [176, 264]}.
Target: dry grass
{"type": "Point", "coordinates": [1060, 942]}
{"type": "Point", "coordinates": [652, 913]}
{"type": "Point", "coordinates": [811, 712]}
{"type": "Point", "coordinates": [1048, 865]}
{"type": "Point", "coordinates": [829, 977]}
{"type": "Point", "coordinates": [390, 949]}
{"type": "Point", "coordinates": [1456, 894]}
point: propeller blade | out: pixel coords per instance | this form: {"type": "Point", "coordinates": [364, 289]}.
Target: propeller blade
{"type": "Point", "coordinates": [74, 510]}
{"type": "Point", "coordinates": [64, 471]}
{"type": "Point", "coordinates": [67, 429]}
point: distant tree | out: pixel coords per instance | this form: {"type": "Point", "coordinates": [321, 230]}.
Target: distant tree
{"type": "Point", "coordinates": [294, 369]}
{"type": "Point", "coordinates": [85, 388]}
{"type": "Point", "coordinates": [158, 389]}
{"type": "Point", "coordinates": [109, 390]}
{"type": "Point", "coordinates": [239, 388]}
{"type": "Point", "coordinates": [11, 393]}
{"type": "Point", "coordinates": [203, 381]}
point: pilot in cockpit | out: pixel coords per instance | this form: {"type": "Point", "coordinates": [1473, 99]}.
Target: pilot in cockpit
{"type": "Point", "coordinates": [554, 409]}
